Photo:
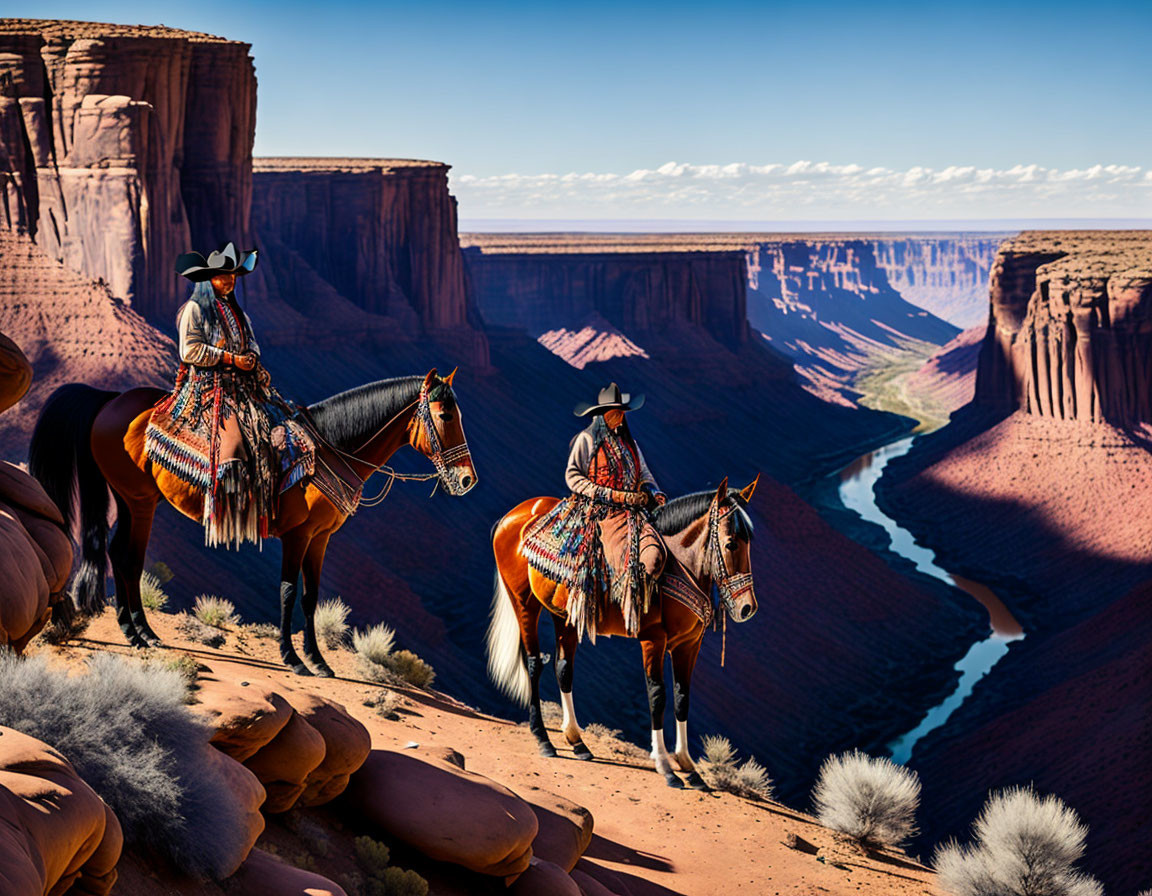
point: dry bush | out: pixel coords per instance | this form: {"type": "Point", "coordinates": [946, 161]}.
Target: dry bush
{"type": "Point", "coordinates": [385, 703]}
{"type": "Point", "coordinates": [195, 630]}
{"type": "Point", "coordinates": [331, 620]}
{"type": "Point", "coordinates": [262, 630]}
{"type": "Point", "coordinates": [374, 645]}
{"type": "Point", "coordinates": [749, 780]}
{"type": "Point", "coordinates": [125, 728]}
{"type": "Point", "coordinates": [152, 592]}
{"type": "Point", "coordinates": [382, 880]}
{"type": "Point", "coordinates": [379, 662]}
{"type": "Point", "coordinates": [371, 855]}
{"type": "Point", "coordinates": [595, 729]}
{"type": "Point", "coordinates": [215, 611]}
{"type": "Point", "coordinates": [182, 664]}
{"type": "Point", "coordinates": [871, 799]}
{"type": "Point", "coordinates": [1025, 845]}
{"type": "Point", "coordinates": [64, 626]}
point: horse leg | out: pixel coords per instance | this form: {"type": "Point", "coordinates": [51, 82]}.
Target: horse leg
{"type": "Point", "coordinates": [294, 547]}
{"type": "Point", "coordinates": [528, 613]}
{"type": "Point", "coordinates": [654, 677]}
{"type": "Point", "coordinates": [566, 643]}
{"type": "Point", "coordinates": [683, 661]}
{"type": "Point", "coordinates": [126, 553]}
{"type": "Point", "coordinates": [313, 563]}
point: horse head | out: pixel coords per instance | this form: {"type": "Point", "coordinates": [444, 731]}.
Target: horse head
{"type": "Point", "coordinates": [437, 432]}
{"type": "Point", "coordinates": [730, 549]}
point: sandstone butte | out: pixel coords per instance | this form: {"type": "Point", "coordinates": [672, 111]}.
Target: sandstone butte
{"type": "Point", "coordinates": [1042, 488]}
{"type": "Point", "coordinates": [553, 826]}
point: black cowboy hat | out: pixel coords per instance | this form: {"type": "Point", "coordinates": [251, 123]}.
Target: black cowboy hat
{"type": "Point", "coordinates": [226, 260]}
{"type": "Point", "coordinates": [610, 397]}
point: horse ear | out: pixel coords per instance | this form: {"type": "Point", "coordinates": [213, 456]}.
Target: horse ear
{"type": "Point", "coordinates": [430, 378]}
{"type": "Point", "coordinates": [722, 491]}
{"type": "Point", "coordinates": [749, 489]}
{"type": "Point", "coordinates": [448, 379]}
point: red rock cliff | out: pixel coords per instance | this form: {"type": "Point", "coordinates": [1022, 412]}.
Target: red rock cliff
{"type": "Point", "coordinates": [537, 287]}
{"type": "Point", "coordinates": [380, 232]}
{"type": "Point", "coordinates": [122, 146]}
{"type": "Point", "coordinates": [1070, 335]}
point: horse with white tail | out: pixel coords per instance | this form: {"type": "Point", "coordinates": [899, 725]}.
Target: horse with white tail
{"type": "Point", "coordinates": [708, 535]}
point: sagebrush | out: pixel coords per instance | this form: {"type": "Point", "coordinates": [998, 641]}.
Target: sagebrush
{"type": "Point", "coordinates": [125, 728]}
{"type": "Point", "coordinates": [1025, 845]}
{"type": "Point", "coordinates": [382, 879]}
{"type": "Point", "coordinates": [152, 594]}
{"type": "Point", "coordinates": [379, 661]}
{"type": "Point", "coordinates": [872, 799]}
{"type": "Point", "coordinates": [215, 611]}
{"type": "Point", "coordinates": [331, 621]}
{"type": "Point", "coordinates": [749, 779]}
{"type": "Point", "coordinates": [195, 630]}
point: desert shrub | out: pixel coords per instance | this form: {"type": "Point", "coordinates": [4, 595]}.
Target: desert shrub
{"type": "Point", "coordinates": [595, 729]}
{"type": "Point", "coordinates": [182, 664]}
{"type": "Point", "coordinates": [331, 619]}
{"type": "Point", "coordinates": [162, 571]}
{"type": "Point", "coordinates": [371, 855]}
{"type": "Point", "coordinates": [749, 780]}
{"type": "Point", "coordinates": [65, 627]}
{"type": "Point", "coordinates": [385, 703]}
{"type": "Point", "coordinates": [406, 665]}
{"type": "Point", "coordinates": [871, 799]}
{"type": "Point", "coordinates": [262, 630]}
{"type": "Point", "coordinates": [215, 611]}
{"type": "Point", "coordinates": [397, 882]}
{"type": "Point", "coordinates": [1025, 845]}
{"type": "Point", "coordinates": [152, 592]}
{"type": "Point", "coordinates": [125, 728]}
{"type": "Point", "coordinates": [374, 645]}
{"type": "Point", "coordinates": [195, 630]}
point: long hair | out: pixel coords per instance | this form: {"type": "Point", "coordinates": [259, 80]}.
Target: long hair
{"type": "Point", "coordinates": [204, 295]}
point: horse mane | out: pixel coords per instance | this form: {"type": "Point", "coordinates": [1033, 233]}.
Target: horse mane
{"type": "Point", "coordinates": [357, 413]}
{"type": "Point", "coordinates": [679, 513]}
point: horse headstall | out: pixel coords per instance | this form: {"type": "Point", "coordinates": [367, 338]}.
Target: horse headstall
{"type": "Point", "coordinates": [732, 586]}
{"type": "Point", "coordinates": [446, 461]}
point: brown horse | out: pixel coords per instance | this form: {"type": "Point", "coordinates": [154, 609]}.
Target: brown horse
{"type": "Point", "coordinates": [87, 441]}
{"type": "Point", "coordinates": [708, 536]}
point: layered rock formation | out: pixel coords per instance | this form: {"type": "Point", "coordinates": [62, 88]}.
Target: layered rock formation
{"type": "Point", "coordinates": [1070, 335]}
{"type": "Point", "coordinates": [381, 233]}
{"type": "Point", "coordinates": [542, 288]}
{"type": "Point", "coordinates": [121, 146]}
{"type": "Point", "coordinates": [946, 274]}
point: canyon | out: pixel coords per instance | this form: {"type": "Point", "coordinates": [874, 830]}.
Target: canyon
{"type": "Point", "coordinates": [1039, 488]}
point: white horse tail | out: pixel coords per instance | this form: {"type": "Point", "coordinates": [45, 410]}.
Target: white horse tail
{"type": "Point", "coordinates": [506, 666]}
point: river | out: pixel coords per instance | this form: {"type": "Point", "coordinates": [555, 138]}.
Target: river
{"type": "Point", "coordinates": [857, 492]}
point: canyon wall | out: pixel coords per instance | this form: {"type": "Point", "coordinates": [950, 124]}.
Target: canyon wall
{"type": "Point", "coordinates": [123, 146]}
{"type": "Point", "coordinates": [1071, 327]}
{"type": "Point", "coordinates": [946, 274]}
{"type": "Point", "coordinates": [380, 232]}
{"type": "Point", "coordinates": [517, 284]}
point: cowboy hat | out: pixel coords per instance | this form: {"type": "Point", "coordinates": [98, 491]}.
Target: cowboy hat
{"type": "Point", "coordinates": [227, 260]}
{"type": "Point", "coordinates": [610, 397]}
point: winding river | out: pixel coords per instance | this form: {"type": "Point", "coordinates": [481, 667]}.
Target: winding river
{"type": "Point", "coordinates": [857, 492]}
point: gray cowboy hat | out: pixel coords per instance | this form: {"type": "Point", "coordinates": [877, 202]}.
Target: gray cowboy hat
{"type": "Point", "coordinates": [226, 260]}
{"type": "Point", "coordinates": [610, 397]}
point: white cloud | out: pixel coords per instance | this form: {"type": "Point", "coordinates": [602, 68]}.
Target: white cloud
{"type": "Point", "coordinates": [807, 189]}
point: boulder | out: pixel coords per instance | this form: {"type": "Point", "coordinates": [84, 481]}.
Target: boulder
{"type": "Point", "coordinates": [544, 879]}
{"type": "Point", "coordinates": [248, 795]}
{"type": "Point", "coordinates": [589, 886]}
{"type": "Point", "coordinates": [15, 372]}
{"type": "Point", "coordinates": [448, 814]}
{"type": "Point", "coordinates": [56, 834]}
{"type": "Point", "coordinates": [246, 716]}
{"type": "Point", "coordinates": [24, 600]}
{"type": "Point", "coordinates": [611, 882]}
{"type": "Point", "coordinates": [265, 875]}
{"type": "Point", "coordinates": [565, 828]}
{"type": "Point", "coordinates": [19, 489]}
{"type": "Point", "coordinates": [284, 765]}
{"type": "Point", "coordinates": [346, 746]}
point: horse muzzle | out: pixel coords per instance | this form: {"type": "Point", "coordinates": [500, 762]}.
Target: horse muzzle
{"type": "Point", "coordinates": [739, 597]}
{"type": "Point", "coordinates": [460, 479]}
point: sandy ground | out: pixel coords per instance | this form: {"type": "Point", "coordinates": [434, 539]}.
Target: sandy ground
{"type": "Point", "coordinates": [656, 839]}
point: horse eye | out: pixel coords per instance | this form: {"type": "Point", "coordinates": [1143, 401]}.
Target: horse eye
{"type": "Point", "coordinates": [731, 546]}
{"type": "Point", "coordinates": [445, 416]}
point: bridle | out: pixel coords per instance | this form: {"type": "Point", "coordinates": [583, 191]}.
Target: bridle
{"type": "Point", "coordinates": [731, 586]}
{"type": "Point", "coordinates": [442, 459]}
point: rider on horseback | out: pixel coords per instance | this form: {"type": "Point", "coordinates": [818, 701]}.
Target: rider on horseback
{"type": "Point", "coordinates": [224, 429]}
{"type": "Point", "coordinates": [600, 538]}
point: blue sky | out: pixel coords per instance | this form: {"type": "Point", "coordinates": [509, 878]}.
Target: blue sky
{"type": "Point", "coordinates": [941, 104]}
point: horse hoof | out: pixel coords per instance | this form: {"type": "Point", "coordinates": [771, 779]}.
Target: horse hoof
{"type": "Point", "coordinates": [698, 783]}
{"type": "Point", "coordinates": [323, 670]}
{"type": "Point", "coordinates": [299, 668]}
{"type": "Point", "coordinates": [582, 751]}
{"type": "Point", "coordinates": [672, 781]}
{"type": "Point", "coordinates": [151, 639]}
{"type": "Point", "coordinates": [547, 750]}
{"type": "Point", "coordinates": [139, 643]}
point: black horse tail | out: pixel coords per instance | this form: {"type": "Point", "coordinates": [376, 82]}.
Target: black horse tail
{"type": "Point", "coordinates": [60, 458]}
